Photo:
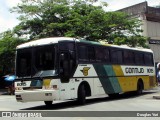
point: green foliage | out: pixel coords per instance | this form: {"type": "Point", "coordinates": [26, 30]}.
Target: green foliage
{"type": "Point", "coordinates": [72, 18]}
{"type": "Point", "coordinates": [77, 18]}
{"type": "Point", "coordinates": [8, 45]}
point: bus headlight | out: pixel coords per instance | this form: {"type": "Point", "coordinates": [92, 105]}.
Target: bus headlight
{"type": "Point", "coordinates": [18, 88]}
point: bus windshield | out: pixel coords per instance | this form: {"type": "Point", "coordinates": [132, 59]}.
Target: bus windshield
{"type": "Point", "coordinates": [36, 61]}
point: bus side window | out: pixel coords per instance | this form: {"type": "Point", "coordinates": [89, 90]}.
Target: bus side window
{"type": "Point", "coordinates": [148, 59]}
{"type": "Point", "coordinates": [120, 57]}
{"type": "Point", "coordinates": [116, 56]}
{"type": "Point", "coordinates": [113, 56]}
{"type": "Point", "coordinates": [91, 54]}
{"type": "Point", "coordinates": [129, 57]}
{"type": "Point", "coordinates": [139, 60]}
{"type": "Point", "coordinates": [100, 54]}
{"type": "Point", "coordinates": [107, 55]}
{"type": "Point", "coordinates": [82, 53]}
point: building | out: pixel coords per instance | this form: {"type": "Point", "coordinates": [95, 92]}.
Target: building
{"type": "Point", "coordinates": [150, 17]}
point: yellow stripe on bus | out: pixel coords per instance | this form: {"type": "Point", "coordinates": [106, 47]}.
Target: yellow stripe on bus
{"type": "Point", "coordinates": [129, 83]}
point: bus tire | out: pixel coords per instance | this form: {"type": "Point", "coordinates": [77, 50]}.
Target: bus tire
{"type": "Point", "coordinates": [139, 87]}
{"type": "Point", "coordinates": [81, 95]}
{"type": "Point", "coordinates": [48, 103]}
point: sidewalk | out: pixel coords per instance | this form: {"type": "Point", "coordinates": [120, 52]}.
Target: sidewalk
{"type": "Point", "coordinates": [156, 95]}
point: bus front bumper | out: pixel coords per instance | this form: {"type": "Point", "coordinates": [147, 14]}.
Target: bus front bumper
{"type": "Point", "coordinates": [36, 95]}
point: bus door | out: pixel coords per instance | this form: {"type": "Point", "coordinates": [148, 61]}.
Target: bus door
{"type": "Point", "coordinates": [66, 68]}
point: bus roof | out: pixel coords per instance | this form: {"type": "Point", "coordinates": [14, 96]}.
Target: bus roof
{"type": "Point", "coordinates": [44, 41]}
{"type": "Point", "coordinates": [52, 40]}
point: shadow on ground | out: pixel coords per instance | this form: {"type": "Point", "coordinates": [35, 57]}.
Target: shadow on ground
{"type": "Point", "coordinates": [73, 104]}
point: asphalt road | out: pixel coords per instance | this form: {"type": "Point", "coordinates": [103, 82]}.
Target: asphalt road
{"type": "Point", "coordinates": [127, 105]}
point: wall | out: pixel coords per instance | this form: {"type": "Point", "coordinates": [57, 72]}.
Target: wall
{"type": "Point", "coordinates": [152, 29]}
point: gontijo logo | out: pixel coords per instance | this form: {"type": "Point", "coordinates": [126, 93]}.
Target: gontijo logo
{"type": "Point", "coordinates": [85, 71]}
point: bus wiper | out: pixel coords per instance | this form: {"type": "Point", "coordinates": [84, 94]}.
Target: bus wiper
{"type": "Point", "coordinates": [35, 71]}
{"type": "Point", "coordinates": [38, 74]}
{"type": "Point", "coordinates": [23, 78]}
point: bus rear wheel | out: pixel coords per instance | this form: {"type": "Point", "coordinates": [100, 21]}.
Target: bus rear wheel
{"type": "Point", "coordinates": [48, 103]}
{"type": "Point", "coordinates": [81, 95]}
{"type": "Point", "coordinates": [139, 87]}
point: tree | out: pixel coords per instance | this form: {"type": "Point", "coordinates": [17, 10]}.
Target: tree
{"type": "Point", "coordinates": [8, 43]}
{"type": "Point", "coordinates": [77, 18]}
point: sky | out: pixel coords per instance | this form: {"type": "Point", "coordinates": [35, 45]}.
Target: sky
{"type": "Point", "coordinates": [9, 20]}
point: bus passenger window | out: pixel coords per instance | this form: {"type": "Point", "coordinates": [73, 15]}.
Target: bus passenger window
{"type": "Point", "coordinates": [120, 58]}
{"type": "Point", "coordinates": [82, 53]}
{"type": "Point", "coordinates": [129, 57]}
{"type": "Point", "coordinates": [91, 54]}
{"type": "Point", "coordinates": [106, 55]}
{"type": "Point", "coordinates": [116, 56]}
{"type": "Point", "coordinates": [100, 53]}
{"type": "Point", "coordinates": [139, 60]}
{"type": "Point", "coordinates": [148, 59]}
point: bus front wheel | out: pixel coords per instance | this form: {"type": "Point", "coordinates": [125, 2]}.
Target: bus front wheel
{"type": "Point", "coordinates": [81, 95]}
{"type": "Point", "coordinates": [48, 103]}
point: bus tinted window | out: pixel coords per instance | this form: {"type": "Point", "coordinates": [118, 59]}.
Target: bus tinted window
{"type": "Point", "coordinates": [128, 57]}
{"type": "Point", "coordinates": [66, 46]}
{"type": "Point", "coordinates": [82, 53]}
{"type": "Point", "coordinates": [44, 57]}
{"type": "Point", "coordinates": [91, 53]}
{"type": "Point", "coordinates": [116, 56]}
{"type": "Point", "coordinates": [139, 58]}
{"type": "Point", "coordinates": [148, 58]}
{"type": "Point", "coordinates": [100, 54]}
{"type": "Point", "coordinates": [106, 55]}
{"type": "Point", "coordinates": [24, 62]}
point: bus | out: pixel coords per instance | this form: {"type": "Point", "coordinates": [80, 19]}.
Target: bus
{"type": "Point", "coordinates": [64, 68]}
